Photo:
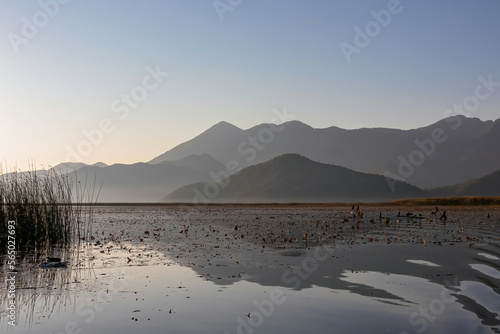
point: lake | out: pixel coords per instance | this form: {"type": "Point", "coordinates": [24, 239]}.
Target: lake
{"type": "Point", "coordinates": [268, 269]}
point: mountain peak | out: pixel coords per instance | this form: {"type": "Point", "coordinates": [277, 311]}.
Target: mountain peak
{"type": "Point", "coordinates": [225, 126]}
{"type": "Point", "coordinates": [290, 157]}
{"type": "Point", "coordinates": [298, 124]}
{"type": "Point", "coordinates": [293, 178]}
{"type": "Point", "coordinates": [463, 118]}
{"type": "Point", "coordinates": [467, 153]}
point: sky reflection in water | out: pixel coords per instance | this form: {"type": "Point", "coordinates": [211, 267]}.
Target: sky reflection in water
{"type": "Point", "coordinates": [171, 298]}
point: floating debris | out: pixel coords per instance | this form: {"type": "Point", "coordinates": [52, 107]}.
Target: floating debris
{"type": "Point", "coordinates": [54, 265]}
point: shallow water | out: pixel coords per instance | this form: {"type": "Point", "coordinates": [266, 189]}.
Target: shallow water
{"type": "Point", "coordinates": [229, 284]}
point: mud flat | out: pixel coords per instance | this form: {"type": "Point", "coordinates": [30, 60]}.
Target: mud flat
{"type": "Point", "coordinates": [273, 269]}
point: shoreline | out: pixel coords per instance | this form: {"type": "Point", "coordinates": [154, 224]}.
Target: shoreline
{"type": "Point", "coordinates": [473, 201]}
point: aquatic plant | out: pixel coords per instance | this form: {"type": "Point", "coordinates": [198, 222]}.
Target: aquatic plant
{"type": "Point", "coordinates": [47, 207]}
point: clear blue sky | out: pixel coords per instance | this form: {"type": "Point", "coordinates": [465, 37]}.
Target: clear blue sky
{"type": "Point", "coordinates": [265, 54]}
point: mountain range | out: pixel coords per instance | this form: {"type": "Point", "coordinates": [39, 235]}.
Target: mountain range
{"type": "Point", "coordinates": [457, 156]}
{"type": "Point", "coordinates": [488, 185]}
{"type": "Point", "coordinates": [452, 151]}
{"type": "Point", "coordinates": [294, 178]}
{"type": "Point", "coordinates": [143, 182]}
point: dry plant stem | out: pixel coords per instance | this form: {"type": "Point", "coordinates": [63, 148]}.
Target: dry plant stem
{"type": "Point", "coordinates": [47, 207]}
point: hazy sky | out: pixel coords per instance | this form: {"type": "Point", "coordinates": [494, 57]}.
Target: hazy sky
{"type": "Point", "coordinates": [67, 67]}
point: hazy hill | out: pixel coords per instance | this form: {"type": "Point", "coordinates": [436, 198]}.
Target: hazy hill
{"type": "Point", "coordinates": [202, 162]}
{"type": "Point", "coordinates": [488, 185]}
{"type": "Point", "coordinates": [294, 178]}
{"type": "Point", "coordinates": [67, 167]}
{"type": "Point", "coordinates": [213, 141]}
{"type": "Point", "coordinates": [469, 150]}
{"type": "Point", "coordinates": [143, 182]}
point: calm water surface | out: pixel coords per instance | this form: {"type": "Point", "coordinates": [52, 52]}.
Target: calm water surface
{"type": "Point", "coordinates": [374, 288]}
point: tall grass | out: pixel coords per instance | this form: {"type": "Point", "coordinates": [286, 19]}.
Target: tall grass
{"type": "Point", "coordinates": [47, 207]}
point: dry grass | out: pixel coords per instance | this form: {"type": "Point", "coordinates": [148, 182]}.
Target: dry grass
{"type": "Point", "coordinates": [458, 201]}
{"type": "Point", "coordinates": [46, 206]}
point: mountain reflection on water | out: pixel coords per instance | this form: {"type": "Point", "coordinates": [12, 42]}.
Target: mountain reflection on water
{"type": "Point", "coordinates": [378, 288]}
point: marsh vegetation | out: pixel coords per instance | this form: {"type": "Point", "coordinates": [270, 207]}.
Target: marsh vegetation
{"type": "Point", "coordinates": [49, 209]}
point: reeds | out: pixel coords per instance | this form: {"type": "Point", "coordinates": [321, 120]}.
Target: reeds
{"type": "Point", "coordinates": [47, 207]}
{"type": "Point", "coordinates": [456, 201]}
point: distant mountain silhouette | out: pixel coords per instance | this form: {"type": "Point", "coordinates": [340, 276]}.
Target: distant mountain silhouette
{"type": "Point", "coordinates": [143, 182]}
{"type": "Point", "coordinates": [468, 148]}
{"type": "Point", "coordinates": [294, 178]}
{"type": "Point", "coordinates": [488, 185]}
{"type": "Point", "coordinates": [67, 167]}
{"type": "Point", "coordinates": [215, 140]}
{"type": "Point", "coordinates": [202, 162]}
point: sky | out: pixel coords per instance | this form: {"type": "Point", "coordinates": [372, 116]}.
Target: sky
{"type": "Point", "coordinates": [123, 81]}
